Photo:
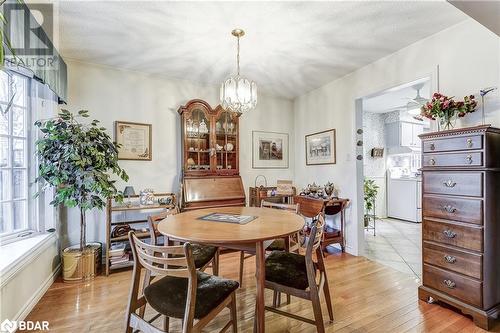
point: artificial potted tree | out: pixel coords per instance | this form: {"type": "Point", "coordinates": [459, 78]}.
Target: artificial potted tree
{"type": "Point", "coordinates": [77, 159]}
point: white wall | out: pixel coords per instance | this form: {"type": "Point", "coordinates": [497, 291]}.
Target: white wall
{"type": "Point", "coordinates": [468, 58]}
{"type": "Point", "coordinates": [375, 167]}
{"type": "Point", "coordinates": [112, 94]}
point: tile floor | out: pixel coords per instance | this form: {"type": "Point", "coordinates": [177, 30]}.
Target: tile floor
{"type": "Point", "coordinates": [397, 244]}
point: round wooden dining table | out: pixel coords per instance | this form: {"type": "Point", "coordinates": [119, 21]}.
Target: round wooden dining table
{"type": "Point", "coordinates": [254, 237]}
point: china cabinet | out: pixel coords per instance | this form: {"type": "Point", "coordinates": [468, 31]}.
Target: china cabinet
{"type": "Point", "coordinates": [210, 148]}
{"type": "Point", "coordinates": [209, 140]}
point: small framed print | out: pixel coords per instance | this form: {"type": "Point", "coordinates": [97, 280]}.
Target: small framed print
{"type": "Point", "coordinates": [135, 141]}
{"type": "Point", "coordinates": [320, 148]}
{"type": "Point", "coordinates": [269, 150]}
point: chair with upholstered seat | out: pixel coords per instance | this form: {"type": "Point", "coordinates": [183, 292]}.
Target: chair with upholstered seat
{"type": "Point", "coordinates": [282, 244]}
{"type": "Point", "coordinates": [204, 255]}
{"type": "Point", "coordinates": [178, 290]}
{"type": "Point", "coordinates": [300, 276]}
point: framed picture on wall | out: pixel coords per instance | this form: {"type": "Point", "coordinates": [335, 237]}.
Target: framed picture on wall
{"type": "Point", "coordinates": [135, 140]}
{"type": "Point", "coordinates": [269, 150]}
{"type": "Point", "coordinates": [320, 148]}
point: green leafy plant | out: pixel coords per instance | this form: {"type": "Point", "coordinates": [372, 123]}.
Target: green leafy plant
{"type": "Point", "coordinates": [446, 108]}
{"type": "Point", "coordinates": [78, 160]}
{"type": "Point", "coordinates": [370, 193]}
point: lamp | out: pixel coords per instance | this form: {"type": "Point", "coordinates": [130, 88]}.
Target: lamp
{"type": "Point", "coordinates": [237, 93]}
{"type": "Point", "coordinates": [129, 191]}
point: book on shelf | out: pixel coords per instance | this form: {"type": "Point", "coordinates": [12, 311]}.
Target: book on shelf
{"type": "Point", "coordinates": [121, 259]}
{"type": "Point", "coordinates": [117, 249]}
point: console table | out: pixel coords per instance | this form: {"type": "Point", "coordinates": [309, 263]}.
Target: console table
{"type": "Point", "coordinates": [332, 206]}
{"type": "Point", "coordinates": [257, 194]}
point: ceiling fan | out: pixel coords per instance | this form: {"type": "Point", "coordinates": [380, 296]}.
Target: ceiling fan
{"type": "Point", "coordinates": [413, 106]}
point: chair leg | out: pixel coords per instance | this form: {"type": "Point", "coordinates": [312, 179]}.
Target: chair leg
{"type": "Point", "coordinates": [147, 281]}
{"type": "Point", "coordinates": [278, 300]}
{"type": "Point", "coordinates": [215, 263]}
{"type": "Point", "coordinates": [275, 299]}
{"type": "Point", "coordinates": [242, 259]}
{"type": "Point", "coordinates": [128, 329]}
{"type": "Point", "coordinates": [166, 323]}
{"type": "Point", "coordinates": [318, 316]}
{"type": "Point", "coordinates": [328, 298]}
{"type": "Point", "coordinates": [234, 316]}
{"type": "Point", "coordinates": [288, 299]}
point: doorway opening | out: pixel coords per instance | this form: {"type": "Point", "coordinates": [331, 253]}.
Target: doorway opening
{"type": "Point", "coordinates": [388, 172]}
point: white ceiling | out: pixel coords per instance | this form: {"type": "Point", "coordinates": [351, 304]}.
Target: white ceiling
{"type": "Point", "coordinates": [396, 98]}
{"type": "Point", "coordinates": [289, 48]}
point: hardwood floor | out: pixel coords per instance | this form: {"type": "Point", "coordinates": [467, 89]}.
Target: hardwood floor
{"type": "Point", "coordinates": [367, 297]}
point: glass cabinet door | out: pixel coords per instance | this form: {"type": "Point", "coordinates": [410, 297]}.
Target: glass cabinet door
{"type": "Point", "coordinates": [226, 133]}
{"type": "Point", "coordinates": [197, 144]}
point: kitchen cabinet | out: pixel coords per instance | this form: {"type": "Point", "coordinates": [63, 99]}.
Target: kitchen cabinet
{"type": "Point", "coordinates": [403, 134]}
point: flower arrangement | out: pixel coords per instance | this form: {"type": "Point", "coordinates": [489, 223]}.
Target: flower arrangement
{"type": "Point", "coordinates": [446, 109]}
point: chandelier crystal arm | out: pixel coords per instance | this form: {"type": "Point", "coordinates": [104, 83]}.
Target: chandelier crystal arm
{"type": "Point", "coordinates": [238, 57]}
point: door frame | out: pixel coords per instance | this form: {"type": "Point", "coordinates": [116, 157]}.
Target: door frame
{"type": "Point", "coordinates": [433, 75]}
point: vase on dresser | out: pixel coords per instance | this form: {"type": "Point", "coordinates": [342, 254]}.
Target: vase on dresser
{"type": "Point", "coordinates": [446, 122]}
{"type": "Point", "coordinates": [461, 221]}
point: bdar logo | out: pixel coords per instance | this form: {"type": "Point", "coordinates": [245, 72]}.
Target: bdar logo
{"type": "Point", "coordinates": [8, 326]}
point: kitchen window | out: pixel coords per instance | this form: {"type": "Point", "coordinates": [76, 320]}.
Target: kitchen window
{"type": "Point", "coordinates": [15, 160]}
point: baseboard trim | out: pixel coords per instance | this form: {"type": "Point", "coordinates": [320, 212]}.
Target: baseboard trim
{"type": "Point", "coordinates": [32, 302]}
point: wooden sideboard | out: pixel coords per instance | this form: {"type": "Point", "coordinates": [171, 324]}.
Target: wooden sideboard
{"type": "Point", "coordinates": [461, 221]}
{"type": "Point", "coordinates": [257, 194]}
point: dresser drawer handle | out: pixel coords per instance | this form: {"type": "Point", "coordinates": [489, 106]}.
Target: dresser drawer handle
{"type": "Point", "coordinates": [432, 146]}
{"type": "Point", "coordinates": [469, 143]}
{"type": "Point", "coordinates": [449, 209]}
{"type": "Point", "coordinates": [449, 283]}
{"type": "Point", "coordinates": [449, 183]}
{"type": "Point", "coordinates": [469, 159]}
{"type": "Point", "coordinates": [450, 259]}
{"type": "Point", "coordinates": [450, 234]}
{"type": "Point", "coordinates": [432, 161]}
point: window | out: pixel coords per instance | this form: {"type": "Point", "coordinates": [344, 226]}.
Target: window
{"type": "Point", "coordinates": [14, 147]}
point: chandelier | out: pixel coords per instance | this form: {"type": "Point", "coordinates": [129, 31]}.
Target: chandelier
{"type": "Point", "coordinates": [237, 93]}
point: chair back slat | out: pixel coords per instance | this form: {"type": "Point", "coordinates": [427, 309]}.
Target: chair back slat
{"type": "Point", "coordinates": [158, 258]}
{"type": "Point", "coordinates": [316, 235]}
{"type": "Point", "coordinates": [309, 207]}
{"type": "Point", "coordinates": [290, 207]}
{"type": "Point", "coordinates": [153, 221]}
{"type": "Point", "coordinates": [174, 261]}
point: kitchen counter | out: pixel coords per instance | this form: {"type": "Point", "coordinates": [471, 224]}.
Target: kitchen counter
{"type": "Point", "coordinates": [410, 179]}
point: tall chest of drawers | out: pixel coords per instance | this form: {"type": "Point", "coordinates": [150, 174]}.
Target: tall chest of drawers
{"type": "Point", "coordinates": [461, 221]}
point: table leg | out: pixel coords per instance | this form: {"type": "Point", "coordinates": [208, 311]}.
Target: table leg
{"type": "Point", "coordinates": [260, 275]}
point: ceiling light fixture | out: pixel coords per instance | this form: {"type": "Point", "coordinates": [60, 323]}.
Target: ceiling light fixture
{"type": "Point", "coordinates": [238, 93]}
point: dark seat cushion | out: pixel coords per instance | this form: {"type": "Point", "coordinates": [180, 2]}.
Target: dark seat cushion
{"type": "Point", "coordinates": [288, 269]}
{"type": "Point", "coordinates": [202, 254]}
{"type": "Point", "coordinates": [277, 245]}
{"type": "Point", "coordinates": [168, 295]}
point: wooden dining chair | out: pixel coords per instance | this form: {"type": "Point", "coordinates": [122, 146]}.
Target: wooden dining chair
{"type": "Point", "coordinates": [178, 291]}
{"type": "Point", "coordinates": [284, 244]}
{"type": "Point", "coordinates": [204, 255]}
{"type": "Point", "coordinates": [309, 207]}
{"type": "Point", "coordinates": [300, 276]}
